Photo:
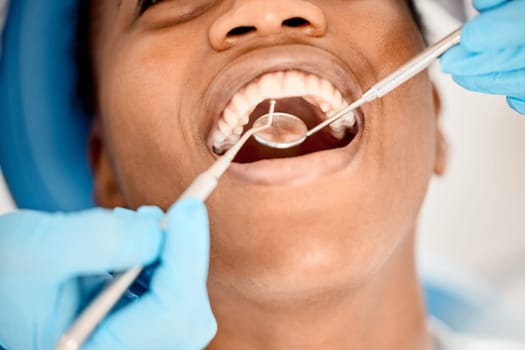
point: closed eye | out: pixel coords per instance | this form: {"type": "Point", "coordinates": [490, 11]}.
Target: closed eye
{"type": "Point", "coordinates": [144, 5]}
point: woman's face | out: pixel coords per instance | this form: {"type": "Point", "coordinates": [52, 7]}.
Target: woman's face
{"type": "Point", "coordinates": [309, 221]}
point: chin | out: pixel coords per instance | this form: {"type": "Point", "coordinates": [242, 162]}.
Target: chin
{"type": "Point", "coordinates": [287, 252]}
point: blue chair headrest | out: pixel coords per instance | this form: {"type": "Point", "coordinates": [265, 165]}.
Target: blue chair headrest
{"type": "Point", "coordinates": [43, 133]}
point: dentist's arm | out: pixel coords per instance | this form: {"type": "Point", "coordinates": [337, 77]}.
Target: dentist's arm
{"type": "Point", "coordinates": [491, 56]}
{"type": "Point", "coordinates": [45, 258]}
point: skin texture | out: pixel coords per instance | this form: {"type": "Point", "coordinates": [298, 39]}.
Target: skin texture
{"type": "Point", "coordinates": [325, 264]}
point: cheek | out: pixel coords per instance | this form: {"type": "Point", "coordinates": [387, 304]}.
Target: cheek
{"type": "Point", "coordinates": [410, 131]}
{"type": "Point", "coordinates": [144, 101]}
{"type": "Point", "coordinates": [402, 127]}
{"type": "Point", "coordinates": [383, 31]}
{"type": "Point", "coordinates": [401, 130]}
{"type": "Point", "coordinates": [396, 165]}
{"type": "Point", "coordinates": [402, 146]}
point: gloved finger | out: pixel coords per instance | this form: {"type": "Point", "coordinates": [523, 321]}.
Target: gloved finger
{"type": "Point", "coordinates": [482, 5]}
{"type": "Point", "coordinates": [458, 61]}
{"type": "Point", "coordinates": [35, 317]}
{"type": "Point", "coordinates": [89, 242]}
{"type": "Point", "coordinates": [517, 104]}
{"type": "Point", "coordinates": [186, 251]}
{"type": "Point", "coordinates": [151, 211]}
{"type": "Point", "coordinates": [499, 28]}
{"type": "Point", "coordinates": [505, 83]}
{"type": "Point", "coordinates": [176, 313]}
{"type": "Point", "coordinates": [63, 312]}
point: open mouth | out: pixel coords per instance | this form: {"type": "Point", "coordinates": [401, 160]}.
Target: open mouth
{"type": "Point", "coordinates": [309, 97]}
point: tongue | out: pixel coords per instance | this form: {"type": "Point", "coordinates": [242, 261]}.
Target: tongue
{"type": "Point", "coordinates": [253, 151]}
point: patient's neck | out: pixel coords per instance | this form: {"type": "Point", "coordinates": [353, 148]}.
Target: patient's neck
{"type": "Point", "coordinates": [385, 313]}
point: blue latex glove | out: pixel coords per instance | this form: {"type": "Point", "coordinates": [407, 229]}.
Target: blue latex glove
{"type": "Point", "coordinates": [42, 259]}
{"type": "Point", "coordinates": [491, 56]}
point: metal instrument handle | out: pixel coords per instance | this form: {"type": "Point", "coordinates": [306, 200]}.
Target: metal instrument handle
{"type": "Point", "coordinates": [415, 65]}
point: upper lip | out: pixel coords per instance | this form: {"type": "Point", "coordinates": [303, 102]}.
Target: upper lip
{"type": "Point", "coordinates": [248, 67]}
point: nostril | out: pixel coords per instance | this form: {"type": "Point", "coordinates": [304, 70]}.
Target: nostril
{"type": "Point", "coordinates": [238, 31]}
{"type": "Point", "coordinates": [296, 22]}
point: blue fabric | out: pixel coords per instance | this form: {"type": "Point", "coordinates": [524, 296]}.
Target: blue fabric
{"type": "Point", "coordinates": [43, 134]}
{"type": "Point", "coordinates": [449, 307]}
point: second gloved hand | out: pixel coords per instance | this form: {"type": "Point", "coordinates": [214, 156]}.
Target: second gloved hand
{"type": "Point", "coordinates": [491, 56]}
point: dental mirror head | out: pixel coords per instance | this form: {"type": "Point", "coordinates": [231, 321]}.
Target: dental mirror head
{"type": "Point", "coordinates": [286, 131]}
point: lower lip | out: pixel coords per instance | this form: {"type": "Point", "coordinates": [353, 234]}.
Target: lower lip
{"type": "Point", "coordinates": [298, 170]}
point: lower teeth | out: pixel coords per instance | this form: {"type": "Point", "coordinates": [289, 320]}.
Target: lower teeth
{"type": "Point", "coordinates": [338, 133]}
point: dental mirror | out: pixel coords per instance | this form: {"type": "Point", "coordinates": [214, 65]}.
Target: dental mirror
{"type": "Point", "coordinates": [288, 131]}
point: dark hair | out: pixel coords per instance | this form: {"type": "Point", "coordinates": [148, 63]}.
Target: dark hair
{"type": "Point", "coordinates": [85, 79]}
{"type": "Point", "coordinates": [417, 18]}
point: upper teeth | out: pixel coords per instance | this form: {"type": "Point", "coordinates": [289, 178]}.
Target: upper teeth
{"type": "Point", "coordinates": [317, 91]}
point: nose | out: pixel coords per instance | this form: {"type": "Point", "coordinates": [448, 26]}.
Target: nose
{"type": "Point", "coordinates": [249, 18]}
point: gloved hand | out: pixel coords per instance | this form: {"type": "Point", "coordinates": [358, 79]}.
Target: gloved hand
{"type": "Point", "coordinates": [491, 56]}
{"type": "Point", "coordinates": [42, 259]}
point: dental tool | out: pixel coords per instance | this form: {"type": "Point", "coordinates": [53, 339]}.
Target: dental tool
{"type": "Point", "coordinates": [201, 188]}
{"type": "Point", "coordinates": [289, 131]}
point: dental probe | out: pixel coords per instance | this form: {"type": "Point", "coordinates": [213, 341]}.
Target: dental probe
{"type": "Point", "coordinates": [274, 137]}
{"type": "Point", "coordinates": [201, 188]}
